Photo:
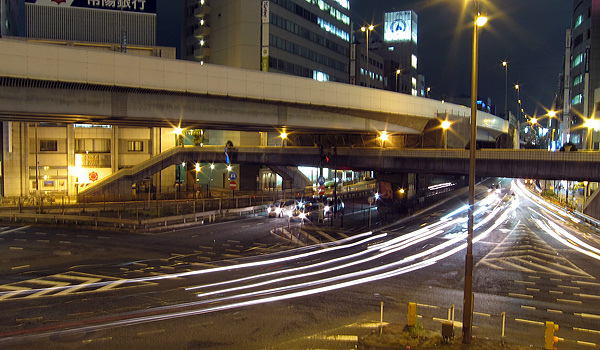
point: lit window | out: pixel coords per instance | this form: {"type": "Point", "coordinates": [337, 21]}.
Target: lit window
{"type": "Point", "coordinates": [578, 99]}
{"type": "Point", "coordinates": [577, 61]}
{"type": "Point", "coordinates": [135, 146]}
{"type": "Point", "coordinates": [414, 82]}
{"type": "Point", "coordinates": [578, 21]}
{"type": "Point", "coordinates": [414, 61]}
{"type": "Point", "coordinates": [578, 80]}
{"type": "Point", "coordinates": [320, 76]}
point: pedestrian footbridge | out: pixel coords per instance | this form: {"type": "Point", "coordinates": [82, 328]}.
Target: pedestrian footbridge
{"type": "Point", "coordinates": [537, 164]}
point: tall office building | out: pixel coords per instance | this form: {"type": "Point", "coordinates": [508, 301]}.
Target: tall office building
{"type": "Point", "coordinates": [309, 38]}
{"type": "Point", "coordinates": [584, 79]}
{"type": "Point", "coordinates": [400, 39]}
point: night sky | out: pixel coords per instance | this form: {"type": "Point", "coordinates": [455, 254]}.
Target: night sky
{"type": "Point", "coordinates": [529, 34]}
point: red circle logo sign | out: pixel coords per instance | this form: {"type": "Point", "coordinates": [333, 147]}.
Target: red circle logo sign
{"type": "Point", "coordinates": [233, 185]}
{"type": "Point", "coordinates": [93, 176]}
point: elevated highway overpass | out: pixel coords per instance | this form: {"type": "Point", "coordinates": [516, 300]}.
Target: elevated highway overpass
{"type": "Point", "coordinates": [44, 82]}
{"type": "Point", "coordinates": [536, 164]}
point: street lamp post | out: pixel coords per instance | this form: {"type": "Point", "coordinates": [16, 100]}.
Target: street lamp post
{"type": "Point", "coordinates": [505, 65]}
{"type": "Point", "coordinates": [518, 88]}
{"type": "Point", "coordinates": [367, 30]}
{"type": "Point", "coordinates": [478, 21]}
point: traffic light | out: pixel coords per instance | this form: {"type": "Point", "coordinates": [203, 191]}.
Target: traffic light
{"type": "Point", "coordinates": [550, 338]}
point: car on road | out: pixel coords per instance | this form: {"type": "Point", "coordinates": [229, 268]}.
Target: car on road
{"type": "Point", "coordinates": [281, 208]}
{"type": "Point", "coordinates": [330, 206]}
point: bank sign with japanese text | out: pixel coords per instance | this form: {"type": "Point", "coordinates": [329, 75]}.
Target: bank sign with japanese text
{"type": "Point", "coordinates": [142, 6]}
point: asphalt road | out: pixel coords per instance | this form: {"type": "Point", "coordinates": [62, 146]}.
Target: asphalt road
{"type": "Point", "coordinates": [242, 285]}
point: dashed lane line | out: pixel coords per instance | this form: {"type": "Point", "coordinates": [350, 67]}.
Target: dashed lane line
{"type": "Point", "coordinates": [581, 295]}
{"type": "Point", "coordinates": [529, 321]}
{"type": "Point", "coordinates": [592, 316]}
{"type": "Point", "coordinates": [517, 295]}
{"type": "Point", "coordinates": [593, 331]}
{"type": "Point", "coordinates": [569, 301]}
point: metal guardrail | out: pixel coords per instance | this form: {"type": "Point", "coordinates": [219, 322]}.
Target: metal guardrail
{"type": "Point", "coordinates": [132, 224]}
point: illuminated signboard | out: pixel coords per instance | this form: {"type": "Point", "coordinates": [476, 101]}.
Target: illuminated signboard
{"type": "Point", "coordinates": [142, 6]}
{"type": "Point", "coordinates": [400, 26]}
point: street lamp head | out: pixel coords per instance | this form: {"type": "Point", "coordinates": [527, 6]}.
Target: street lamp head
{"type": "Point", "coordinates": [197, 167]}
{"type": "Point", "coordinates": [384, 136]}
{"type": "Point", "coordinates": [593, 124]}
{"type": "Point", "coordinates": [534, 120]}
{"type": "Point", "coordinates": [516, 86]}
{"type": "Point", "coordinates": [551, 114]}
{"type": "Point", "coordinates": [212, 167]}
{"type": "Point", "coordinates": [481, 20]}
{"type": "Point", "coordinates": [398, 71]}
{"type": "Point", "coordinates": [284, 135]}
{"type": "Point", "coordinates": [178, 131]}
{"type": "Point", "coordinates": [229, 168]}
{"type": "Point", "coordinates": [445, 125]}
{"type": "Point", "coordinates": [504, 64]}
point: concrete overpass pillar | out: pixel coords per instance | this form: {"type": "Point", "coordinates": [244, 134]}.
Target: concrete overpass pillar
{"type": "Point", "coordinates": [249, 174]}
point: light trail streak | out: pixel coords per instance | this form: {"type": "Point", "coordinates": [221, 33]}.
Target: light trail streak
{"type": "Point", "coordinates": [215, 269]}
{"type": "Point", "coordinates": [557, 231]}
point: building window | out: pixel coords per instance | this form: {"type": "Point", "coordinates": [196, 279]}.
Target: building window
{"type": "Point", "coordinates": [577, 61]}
{"type": "Point", "coordinates": [48, 145]}
{"type": "Point", "coordinates": [578, 21]}
{"type": "Point", "coordinates": [135, 146]}
{"type": "Point", "coordinates": [92, 145]}
{"type": "Point", "coordinates": [578, 80]}
{"type": "Point", "coordinates": [577, 99]}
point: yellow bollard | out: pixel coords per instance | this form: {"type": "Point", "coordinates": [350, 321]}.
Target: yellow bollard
{"type": "Point", "coordinates": [550, 339]}
{"type": "Point", "coordinates": [412, 314]}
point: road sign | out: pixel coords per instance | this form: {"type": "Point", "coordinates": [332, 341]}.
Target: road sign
{"type": "Point", "coordinates": [232, 185]}
{"type": "Point", "coordinates": [321, 180]}
{"type": "Point", "coordinates": [232, 175]}
{"type": "Point", "coordinates": [321, 190]}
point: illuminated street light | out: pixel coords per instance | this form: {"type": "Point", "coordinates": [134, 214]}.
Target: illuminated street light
{"type": "Point", "coordinates": [178, 132]}
{"type": "Point", "coordinates": [229, 168]}
{"type": "Point", "coordinates": [534, 120]}
{"type": "Point", "coordinates": [398, 71]}
{"type": "Point", "coordinates": [592, 125]}
{"type": "Point", "coordinates": [478, 21]}
{"type": "Point", "coordinates": [551, 114]}
{"type": "Point", "coordinates": [384, 137]}
{"type": "Point", "coordinates": [445, 127]}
